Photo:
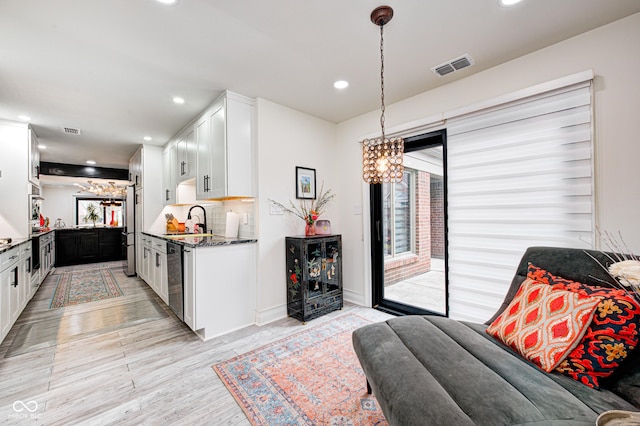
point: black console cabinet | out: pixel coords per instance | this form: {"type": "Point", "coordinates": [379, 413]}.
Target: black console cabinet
{"type": "Point", "coordinates": [314, 276]}
{"type": "Point", "coordinates": [86, 245]}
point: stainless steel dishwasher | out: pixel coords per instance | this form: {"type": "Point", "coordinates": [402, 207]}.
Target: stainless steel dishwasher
{"type": "Point", "coordinates": [175, 278]}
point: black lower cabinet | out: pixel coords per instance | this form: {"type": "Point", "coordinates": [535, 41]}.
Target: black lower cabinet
{"type": "Point", "coordinates": [77, 246]}
{"type": "Point", "coordinates": [314, 276]}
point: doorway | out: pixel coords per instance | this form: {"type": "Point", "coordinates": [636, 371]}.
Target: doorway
{"type": "Point", "coordinates": [408, 232]}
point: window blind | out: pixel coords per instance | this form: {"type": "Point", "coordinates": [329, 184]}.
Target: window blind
{"type": "Point", "coordinates": [519, 175]}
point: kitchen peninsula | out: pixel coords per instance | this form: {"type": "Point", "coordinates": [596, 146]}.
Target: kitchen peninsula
{"type": "Point", "coordinates": [76, 245]}
{"type": "Point", "coordinates": [219, 279]}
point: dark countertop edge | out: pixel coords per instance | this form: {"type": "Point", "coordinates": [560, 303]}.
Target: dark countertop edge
{"type": "Point", "coordinates": [215, 241]}
{"type": "Point", "coordinates": [41, 233]}
{"type": "Point", "coordinates": [84, 228]}
{"type": "Point", "coordinates": [14, 243]}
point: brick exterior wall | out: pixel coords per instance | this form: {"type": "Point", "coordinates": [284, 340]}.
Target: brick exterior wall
{"type": "Point", "coordinates": [405, 267]}
{"type": "Point", "coordinates": [437, 217]}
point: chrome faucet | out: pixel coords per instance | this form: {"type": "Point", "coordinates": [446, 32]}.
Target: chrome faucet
{"type": "Point", "coordinates": [202, 226]}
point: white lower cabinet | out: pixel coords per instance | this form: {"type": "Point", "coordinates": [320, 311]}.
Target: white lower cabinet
{"type": "Point", "coordinates": [154, 266]}
{"type": "Point", "coordinates": [26, 264]}
{"type": "Point", "coordinates": [10, 288]}
{"type": "Point", "coordinates": [145, 264]}
{"type": "Point", "coordinates": [224, 289]}
{"type": "Point", "coordinates": [160, 277]}
{"type": "Point", "coordinates": [188, 274]}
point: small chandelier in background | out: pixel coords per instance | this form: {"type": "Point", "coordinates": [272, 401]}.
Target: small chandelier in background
{"type": "Point", "coordinates": [382, 157]}
{"type": "Point", "coordinates": [103, 190]}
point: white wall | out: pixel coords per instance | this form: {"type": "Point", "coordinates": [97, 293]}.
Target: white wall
{"type": "Point", "coordinates": [59, 202]}
{"type": "Point", "coordinates": [14, 180]}
{"type": "Point", "coordinates": [286, 139]}
{"type": "Point", "coordinates": [611, 51]}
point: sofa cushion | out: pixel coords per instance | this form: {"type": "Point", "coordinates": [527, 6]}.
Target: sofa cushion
{"type": "Point", "coordinates": [581, 266]}
{"type": "Point", "coordinates": [435, 370]}
{"type": "Point", "coordinates": [544, 324]}
{"type": "Point", "coordinates": [609, 339]}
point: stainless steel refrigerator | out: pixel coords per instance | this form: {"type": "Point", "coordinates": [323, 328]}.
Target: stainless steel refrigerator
{"type": "Point", "coordinates": [129, 234]}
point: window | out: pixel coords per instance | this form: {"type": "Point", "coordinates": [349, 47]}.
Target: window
{"type": "Point", "coordinates": [519, 175]}
{"type": "Point", "coordinates": [108, 212]}
{"type": "Point", "coordinates": [398, 205]}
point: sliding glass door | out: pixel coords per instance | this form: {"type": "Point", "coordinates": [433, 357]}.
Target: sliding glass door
{"type": "Point", "coordinates": [409, 232]}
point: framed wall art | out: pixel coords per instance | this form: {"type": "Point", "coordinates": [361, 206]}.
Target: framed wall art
{"type": "Point", "coordinates": [305, 183]}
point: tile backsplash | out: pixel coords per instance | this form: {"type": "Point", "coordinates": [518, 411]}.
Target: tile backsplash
{"type": "Point", "coordinates": [217, 215]}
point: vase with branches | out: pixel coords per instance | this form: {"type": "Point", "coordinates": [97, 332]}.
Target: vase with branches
{"type": "Point", "coordinates": [309, 211]}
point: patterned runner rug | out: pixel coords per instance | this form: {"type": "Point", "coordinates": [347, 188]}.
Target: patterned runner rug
{"type": "Point", "coordinates": [114, 264]}
{"type": "Point", "coordinates": [310, 378]}
{"type": "Point", "coordinates": [85, 286]}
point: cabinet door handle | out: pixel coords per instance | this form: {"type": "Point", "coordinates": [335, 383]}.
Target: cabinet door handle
{"type": "Point", "coordinates": [157, 260]}
{"type": "Point", "coordinates": [29, 265]}
{"type": "Point", "coordinates": [166, 197]}
{"type": "Point", "coordinates": [130, 177]}
{"type": "Point", "coordinates": [15, 277]}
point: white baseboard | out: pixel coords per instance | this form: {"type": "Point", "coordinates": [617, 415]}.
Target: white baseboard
{"type": "Point", "coordinates": [266, 316]}
{"type": "Point", "coordinates": [353, 297]}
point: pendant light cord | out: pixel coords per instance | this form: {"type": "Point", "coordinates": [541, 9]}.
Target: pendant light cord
{"type": "Point", "coordinates": [382, 80]}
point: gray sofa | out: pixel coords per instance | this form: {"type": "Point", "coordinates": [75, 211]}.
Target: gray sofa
{"type": "Point", "coordinates": [430, 370]}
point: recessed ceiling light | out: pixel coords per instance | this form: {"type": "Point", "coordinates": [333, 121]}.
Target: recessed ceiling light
{"type": "Point", "coordinates": [508, 2]}
{"type": "Point", "coordinates": [40, 146]}
{"type": "Point", "coordinates": [147, 138]}
{"type": "Point", "coordinates": [90, 162]}
{"type": "Point", "coordinates": [341, 84]}
{"type": "Point", "coordinates": [24, 117]}
{"type": "Point", "coordinates": [168, 2]}
{"type": "Point", "coordinates": [178, 100]}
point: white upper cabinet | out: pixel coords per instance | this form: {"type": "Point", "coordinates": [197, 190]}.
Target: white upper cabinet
{"type": "Point", "coordinates": [225, 150]}
{"type": "Point", "coordinates": [186, 153]}
{"type": "Point", "coordinates": [203, 166]}
{"type": "Point", "coordinates": [34, 158]}
{"type": "Point", "coordinates": [135, 168]}
{"type": "Point", "coordinates": [169, 174]}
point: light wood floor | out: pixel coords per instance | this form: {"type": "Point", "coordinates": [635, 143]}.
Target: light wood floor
{"type": "Point", "coordinates": [126, 360]}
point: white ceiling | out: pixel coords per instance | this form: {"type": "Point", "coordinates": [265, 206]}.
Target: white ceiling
{"type": "Point", "coordinates": [111, 67]}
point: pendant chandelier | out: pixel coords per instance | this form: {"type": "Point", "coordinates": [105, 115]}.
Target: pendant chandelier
{"type": "Point", "coordinates": [382, 157]}
{"type": "Point", "coordinates": [103, 190]}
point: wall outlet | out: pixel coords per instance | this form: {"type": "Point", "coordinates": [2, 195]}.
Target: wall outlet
{"type": "Point", "coordinates": [273, 209]}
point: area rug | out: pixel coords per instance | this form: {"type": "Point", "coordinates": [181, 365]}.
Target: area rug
{"type": "Point", "coordinates": [310, 378]}
{"type": "Point", "coordinates": [90, 285]}
{"type": "Point", "coordinates": [115, 264]}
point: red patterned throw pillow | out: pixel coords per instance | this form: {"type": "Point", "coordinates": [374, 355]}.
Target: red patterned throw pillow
{"type": "Point", "coordinates": [544, 324]}
{"type": "Point", "coordinates": [609, 339]}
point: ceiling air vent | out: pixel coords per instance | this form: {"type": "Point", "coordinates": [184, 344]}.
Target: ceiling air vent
{"type": "Point", "coordinates": [453, 65]}
{"type": "Point", "coordinates": [70, 131]}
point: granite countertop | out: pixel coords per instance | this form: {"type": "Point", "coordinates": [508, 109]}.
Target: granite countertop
{"type": "Point", "coordinates": [83, 228]}
{"type": "Point", "coordinates": [42, 231]}
{"type": "Point", "coordinates": [191, 241]}
{"type": "Point", "coordinates": [14, 242]}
